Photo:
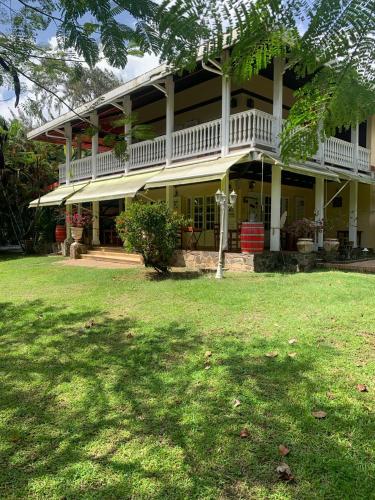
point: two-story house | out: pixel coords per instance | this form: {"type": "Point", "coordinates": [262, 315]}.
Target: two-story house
{"type": "Point", "coordinates": [211, 132]}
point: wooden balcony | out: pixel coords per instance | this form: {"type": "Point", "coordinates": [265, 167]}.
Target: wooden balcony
{"type": "Point", "coordinates": [249, 128]}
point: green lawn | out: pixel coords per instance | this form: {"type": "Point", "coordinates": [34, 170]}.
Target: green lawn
{"type": "Point", "coordinates": [105, 391]}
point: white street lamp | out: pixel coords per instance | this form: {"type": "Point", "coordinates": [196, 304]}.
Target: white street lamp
{"type": "Point", "coordinates": [221, 200]}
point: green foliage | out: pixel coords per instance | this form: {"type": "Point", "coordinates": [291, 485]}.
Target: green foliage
{"type": "Point", "coordinates": [151, 230]}
{"type": "Point", "coordinates": [26, 169]}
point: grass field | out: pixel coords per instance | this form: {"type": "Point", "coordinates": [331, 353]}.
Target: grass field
{"type": "Point", "coordinates": [108, 391]}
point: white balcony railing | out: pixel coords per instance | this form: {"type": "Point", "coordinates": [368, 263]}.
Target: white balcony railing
{"type": "Point", "coordinates": [249, 128]}
{"type": "Point", "coordinates": [201, 139]}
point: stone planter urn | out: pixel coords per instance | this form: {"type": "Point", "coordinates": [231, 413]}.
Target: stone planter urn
{"type": "Point", "coordinates": [305, 245]}
{"type": "Point", "coordinates": [331, 244]}
{"type": "Point", "coordinates": [76, 233]}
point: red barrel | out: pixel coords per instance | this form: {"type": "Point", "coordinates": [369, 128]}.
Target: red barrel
{"type": "Point", "coordinates": [60, 233]}
{"type": "Point", "coordinates": [252, 237]}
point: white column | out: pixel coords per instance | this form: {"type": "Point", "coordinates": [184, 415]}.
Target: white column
{"type": "Point", "coordinates": [355, 141]}
{"type": "Point", "coordinates": [319, 207]}
{"type": "Point", "coordinates": [169, 190]}
{"type": "Point", "coordinates": [275, 208]}
{"type": "Point", "coordinates": [68, 226]}
{"type": "Point", "coordinates": [127, 106]}
{"type": "Point", "coordinates": [68, 151]}
{"type": "Point", "coordinates": [353, 212]}
{"type": "Point", "coordinates": [95, 223]}
{"type": "Point", "coordinates": [277, 108]}
{"type": "Point", "coordinates": [225, 114]}
{"type": "Point", "coordinates": [169, 126]}
{"type": "Point", "coordinates": [94, 119]}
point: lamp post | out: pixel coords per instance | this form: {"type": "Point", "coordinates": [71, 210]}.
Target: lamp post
{"type": "Point", "coordinates": [221, 200]}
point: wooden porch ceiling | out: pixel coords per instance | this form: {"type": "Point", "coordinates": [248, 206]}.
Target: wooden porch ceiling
{"type": "Point", "coordinates": [252, 171]}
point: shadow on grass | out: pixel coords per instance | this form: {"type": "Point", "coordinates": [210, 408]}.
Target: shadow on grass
{"type": "Point", "coordinates": [116, 409]}
{"type": "Point", "coordinates": [174, 275]}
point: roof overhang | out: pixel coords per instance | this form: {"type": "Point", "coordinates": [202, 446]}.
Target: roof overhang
{"type": "Point", "coordinates": [193, 172]}
{"type": "Point", "coordinates": [57, 196]}
{"type": "Point", "coordinates": [114, 95]}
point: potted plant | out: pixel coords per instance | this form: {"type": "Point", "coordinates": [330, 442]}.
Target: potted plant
{"type": "Point", "coordinates": [330, 245]}
{"type": "Point", "coordinates": [304, 231]}
{"type": "Point", "coordinates": [78, 223]}
{"type": "Point", "coordinates": [60, 228]}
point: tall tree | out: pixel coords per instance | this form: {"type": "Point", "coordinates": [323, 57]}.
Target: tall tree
{"type": "Point", "coordinates": [73, 85]}
{"type": "Point", "coordinates": [90, 29]}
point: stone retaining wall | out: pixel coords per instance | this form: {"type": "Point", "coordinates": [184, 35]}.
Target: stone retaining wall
{"type": "Point", "coordinates": [196, 259]}
{"type": "Point", "coordinates": [261, 263]}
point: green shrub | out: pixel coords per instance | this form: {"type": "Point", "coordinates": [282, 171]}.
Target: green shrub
{"type": "Point", "coordinates": [152, 231]}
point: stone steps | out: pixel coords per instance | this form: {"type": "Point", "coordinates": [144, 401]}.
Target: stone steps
{"type": "Point", "coordinates": [113, 254]}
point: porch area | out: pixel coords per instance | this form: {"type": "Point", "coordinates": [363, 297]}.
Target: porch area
{"type": "Point", "coordinates": [252, 128]}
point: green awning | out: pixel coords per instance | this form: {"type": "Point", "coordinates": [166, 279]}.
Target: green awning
{"type": "Point", "coordinates": [112, 189]}
{"type": "Point", "coordinates": [198, 171]}
{"type": "Point", "coordinates": [57, 196]}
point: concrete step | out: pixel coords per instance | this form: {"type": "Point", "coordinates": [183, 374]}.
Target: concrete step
{"type": "Point", "coordinates": [107, 249]}
{"type": "Point", "coordinates": [110, 258]}
{"type": "Point", "coordinates": [126, 258]}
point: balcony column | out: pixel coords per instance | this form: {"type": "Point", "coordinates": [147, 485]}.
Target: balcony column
{"type": "Point", "coordinates": [68, 151]}
{"type": "Point", "coordinates": [95, 223]}
{"type": "Point", "coordinates": [94, 119]}
{"type": "Point", "coordinates": [169, 117]}
{"type": "Point", "coordinates": [355, 141]}
{"type": "Point", "coordinates": [127, 107]}
{"type": "Point", "coordinates": [169, 197]}
{"type": "Point", "coordinates": [275, 208]}
{"type": "Point", "coordinates": [69, 210]}
{"type": "Point", "coordinates": [225, 112]}
{"type": "Point", "coordinates": [319, 207]}
{"type": "Point", "coordinates": [277, 108]}
{"type": "Point", "coordinates": [353, 212]}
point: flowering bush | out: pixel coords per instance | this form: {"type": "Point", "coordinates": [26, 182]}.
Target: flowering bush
{"type": "Point", "coordinates": [78, 220]}
{"type": "Point", "coordinates": [303, 228]}
{"type": "Point", "coordinates": [152, 231]}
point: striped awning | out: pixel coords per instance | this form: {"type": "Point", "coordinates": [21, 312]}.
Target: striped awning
{"type": "Point", "coordinates": [112, 189]}
{"type": "Point", "coordinates": [198, 171]}
{"type": "Point", "coordinates": [57, 196]}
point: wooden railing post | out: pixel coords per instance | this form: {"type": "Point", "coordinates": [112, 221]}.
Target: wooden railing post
{"type": "Point", "coordinates": [355, 142]}
{"type": "Point", "coordinates": [68, 151]}
{"type": "Point", "coordinates": [277, 108]}
{"type": "Point", "coordinates": [127, 106]}
{"type": "Point", "coordinates": [169, 87]}
{"type": "Point", "coordinates": [94, 119]}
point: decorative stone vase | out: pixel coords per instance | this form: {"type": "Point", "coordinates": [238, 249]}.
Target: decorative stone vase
{"type": "Point", "coordinates": [76, 233]}
{"type": "Point", "coordinates": [305, 245]}
{"type": "Point", "coordinates": [331, 244]}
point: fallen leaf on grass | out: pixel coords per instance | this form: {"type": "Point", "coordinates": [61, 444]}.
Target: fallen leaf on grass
{"type": "Point", "coordinates": [272, 354]}
{"type": "Point", "coordinates": [207, 354]}
{"type": "Point", "coordinates": [330, 395]}
{"type": "Point", "coordinates": [207, 367]}
{"type": "Point", "coordinates": [236, 403]}
{"type": "Point", "coordinates": [292, 354]}
{"type": "Point", "coordinates": [362, 388]}
{"type": "Point", "coordinates": [284, 472]}
{"type": "Point", "coordinates": [130, 335]}
{"type": "Point", "coordinates": [319, 414]}
{"type": "Point", "coordinates": [244, 433]}
{"type": "Point", "coordinates": [283, 450]}
{"type": "Point", "coordinates": [90, 324]}
{"type": "Point", "coordinates": [292, 341]}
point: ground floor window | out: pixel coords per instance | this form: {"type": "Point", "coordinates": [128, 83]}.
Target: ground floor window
{"type": "Point", "coordinates": [203, 211]}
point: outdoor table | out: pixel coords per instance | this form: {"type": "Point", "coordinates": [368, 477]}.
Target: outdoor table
{"type": "Point", "coordinates": [195, 234]}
